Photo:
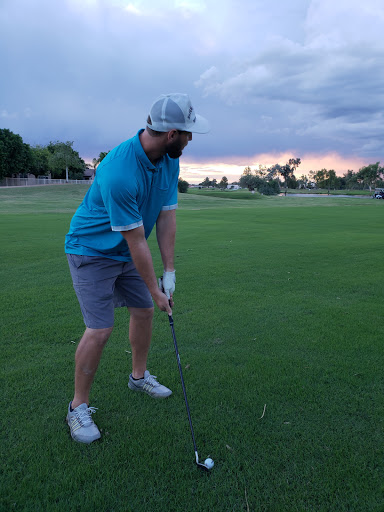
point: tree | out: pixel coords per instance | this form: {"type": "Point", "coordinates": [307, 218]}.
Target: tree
{"type": "Point", "coordinates": [269, 188]}
{"type": "Point", "coordinates": [182, 186]}
{"type": "Point", "coordinates": [224, 182]}
{"type": "Point", "coordinates": [326, 179]}
{"type": "Point", "coordinates": [320, 178]}
{"type": "Point", "coordinates": [40, 160]}
{"type": "Point", "coordinates": [369, 174]}
{"type": "Point", "coordinates": [249, 180]}
{"type": "Point", "coordinates": [351, 181]}
{"type": "Point", "coordinates": [271, 173]}
{"type": "Point", "coordinates": [262, 172]}
{"type": "Point", "coordinates": [252, 180]}
{"type": "Point", "coordinates": [331, 179]}
{"type": "Point", "coordinates": [288, 170]}
{"type": "Point", "coordinates": [15, 155]}
{"type": "Point", "coordinates": [63, 160]}
{"type": "Point", "coordinates": [292, 182]}
{"type": "Point", "coordinates": [101, 157]}
{"type": "Point", "coordinates": [205, 183]}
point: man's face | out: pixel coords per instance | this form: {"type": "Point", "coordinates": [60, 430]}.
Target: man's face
{"type": "Point", "coordinates": [177, 144]}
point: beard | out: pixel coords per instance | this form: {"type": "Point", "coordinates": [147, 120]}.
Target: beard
{"type": "Point", "coordinates": [175, 149]}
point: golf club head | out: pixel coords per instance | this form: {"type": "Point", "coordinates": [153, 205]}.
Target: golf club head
{"type": "Point", "coordinates": [207, 465]}
{"type": "Point", "coordinates": [203, 466]}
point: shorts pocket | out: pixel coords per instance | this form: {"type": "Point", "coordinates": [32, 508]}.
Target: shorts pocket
{"type": "Point", "coordinates": [76, 260]}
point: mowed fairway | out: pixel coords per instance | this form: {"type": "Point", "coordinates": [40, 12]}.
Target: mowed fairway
{"type": "Point", "coordinates": [279, 321]}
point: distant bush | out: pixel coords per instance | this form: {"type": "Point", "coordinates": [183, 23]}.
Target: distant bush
{"type": "Point", "coordinates": [182, 186]}
{"type": "Point", "coordinates": [269, 188]}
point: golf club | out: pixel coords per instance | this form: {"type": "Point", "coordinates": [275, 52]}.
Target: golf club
{"type": "Point", "coordinates": [208, 463]}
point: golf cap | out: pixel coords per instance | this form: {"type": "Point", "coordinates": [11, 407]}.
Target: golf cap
{"type": "Point", "coordinates": [175, 112]}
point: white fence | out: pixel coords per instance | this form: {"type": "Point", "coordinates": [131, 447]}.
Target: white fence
{"type": "Point", "coordinates": [33, 182]}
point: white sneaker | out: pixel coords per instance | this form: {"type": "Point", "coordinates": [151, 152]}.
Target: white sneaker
{"type": "Point", "coordinates": [81, 425]}
{"type": "Point", "coordinates": [148, 384]}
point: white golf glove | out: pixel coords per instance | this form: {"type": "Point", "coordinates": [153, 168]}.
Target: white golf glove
{"type": "Point", "coordinates": [169, 282]}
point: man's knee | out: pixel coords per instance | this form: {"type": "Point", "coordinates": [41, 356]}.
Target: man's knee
{"type": "Point", "coordinates": [141, 314]}
{"type": "Point", "coordinates": [99, 336]}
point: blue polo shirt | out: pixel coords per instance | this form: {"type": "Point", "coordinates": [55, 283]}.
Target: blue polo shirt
{"type": "Point", "coordinates": [128, 192]}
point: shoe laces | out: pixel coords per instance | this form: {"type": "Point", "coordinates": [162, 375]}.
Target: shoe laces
{"type": "Point", "coordinates": [151, 380]}
{"type": "Point", "coordinates": [84, 416]}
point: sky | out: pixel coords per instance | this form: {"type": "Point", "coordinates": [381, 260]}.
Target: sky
{"type": "Point", "coordinates": [276, 80]}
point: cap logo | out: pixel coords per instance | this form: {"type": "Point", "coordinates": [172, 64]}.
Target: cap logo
{"type": "Point", "coordinates": [190, 112]}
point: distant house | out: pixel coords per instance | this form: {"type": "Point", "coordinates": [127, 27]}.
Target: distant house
{"type": "Point", "coordinates": [89, 173]}
{"type": "Point", "coordinates": [233, 187]}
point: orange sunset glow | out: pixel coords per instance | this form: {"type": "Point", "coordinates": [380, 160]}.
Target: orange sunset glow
{"type": "Point", "coordinates": [233, 167]}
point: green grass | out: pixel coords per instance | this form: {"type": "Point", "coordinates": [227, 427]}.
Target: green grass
{"type": "Point", "coordinates": [331, 192]}
{"type": "Point", "coordinates": [279, 302]}
{"type": "Point", "coordinates": [247, 195]}
{"type": "Point", "coordinates": [224, 194]}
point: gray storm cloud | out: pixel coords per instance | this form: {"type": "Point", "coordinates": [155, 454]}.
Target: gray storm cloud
{"type": "Point", "coordinates": [303, 76]}
{"type": "Point", "coordinates": [329, 86]}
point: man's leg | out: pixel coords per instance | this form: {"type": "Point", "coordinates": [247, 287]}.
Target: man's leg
{"type": "Point", "coordinates": [87, 360]}
{"type": "Point", "coordinates": [94, 281]}
{"type": "Point", "coordinates": [140, 333]}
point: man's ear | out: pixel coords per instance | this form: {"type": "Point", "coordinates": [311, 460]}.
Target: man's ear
{"type": "Point", "coordinates": [172, 134]}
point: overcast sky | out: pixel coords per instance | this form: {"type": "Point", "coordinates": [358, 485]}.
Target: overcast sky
{"type": "Point", "coordinates": [303, 78]}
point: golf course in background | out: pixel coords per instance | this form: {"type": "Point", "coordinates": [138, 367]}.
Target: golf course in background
{"type": "Point", "coordinates": [279, 320]}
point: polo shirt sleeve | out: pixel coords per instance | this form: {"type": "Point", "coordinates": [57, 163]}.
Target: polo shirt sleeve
{"type": "Point", "coordinates": [171, 201]}
{"type": "Point", "coordinates": [120, 200]}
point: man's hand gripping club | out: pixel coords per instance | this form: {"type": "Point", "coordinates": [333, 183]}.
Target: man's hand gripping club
{"type": "Point", "coordinates": [142, 259]}
{"type": "Point", "coordinates": [167, 285]}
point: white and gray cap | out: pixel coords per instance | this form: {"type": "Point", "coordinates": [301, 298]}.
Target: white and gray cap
{"type": "Point", "coordinates": [175, 112]}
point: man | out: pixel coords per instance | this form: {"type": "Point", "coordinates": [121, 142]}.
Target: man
{"type": "Point", "coordinates": [111, 266]}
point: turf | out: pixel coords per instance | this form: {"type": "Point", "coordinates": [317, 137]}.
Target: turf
{"type": "Point", "coordinates": [279, 323]}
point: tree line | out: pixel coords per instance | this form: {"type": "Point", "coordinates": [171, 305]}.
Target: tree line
{"type": "Point", "coordinates": [57, 159]}
{"type": "Point", "coordinates": [270, 180]}
{"type": "Point", "coordinates": [184, 185]}
{"type": "Point", "coordinates": [61, 161]}
{"type": "Point", "coordinates": [266, 180]}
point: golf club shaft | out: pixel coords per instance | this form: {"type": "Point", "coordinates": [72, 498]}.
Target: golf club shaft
{"type": "Point", "coordinates": [182, 382]}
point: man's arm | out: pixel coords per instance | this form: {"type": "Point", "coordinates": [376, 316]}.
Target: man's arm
{"type": "Point", "coordinates": [166, 235]}
{"type": "Point", "coordinates": [142, 259]}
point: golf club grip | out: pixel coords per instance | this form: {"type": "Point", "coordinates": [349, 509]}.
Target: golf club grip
{"type": "Point", "coordinates": [160, 283]}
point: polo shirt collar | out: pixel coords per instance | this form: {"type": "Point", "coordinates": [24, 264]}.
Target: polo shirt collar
{"type": "Point", "coordinates": [140, 153]}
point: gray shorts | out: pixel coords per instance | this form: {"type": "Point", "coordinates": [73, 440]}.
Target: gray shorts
{"type": "Point", "coordinates": [103, 284]}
